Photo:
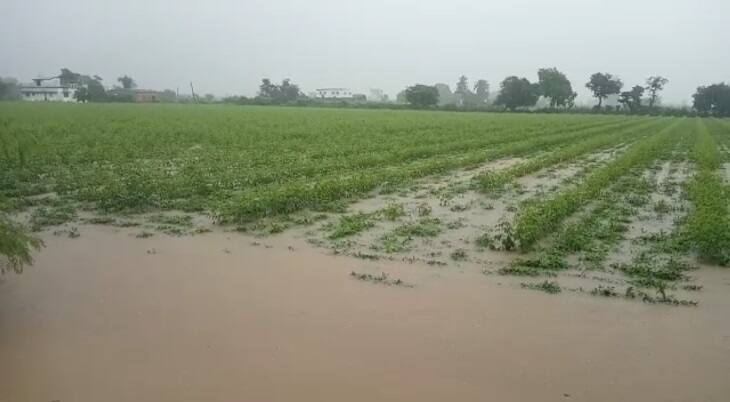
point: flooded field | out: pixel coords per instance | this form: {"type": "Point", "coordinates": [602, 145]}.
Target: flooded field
{"type": "Point", "coordinates": [204, 254]}
{"type": "Point", "coordinates": [223, 316]}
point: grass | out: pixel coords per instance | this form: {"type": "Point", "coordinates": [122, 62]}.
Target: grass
{"type": "Point", "coordinates": [349, 225]}
{"type": "Point", "coordinates": [424, 227]}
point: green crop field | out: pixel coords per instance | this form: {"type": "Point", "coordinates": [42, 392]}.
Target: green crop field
{"type": "Point", "coordinates": [246, 165]}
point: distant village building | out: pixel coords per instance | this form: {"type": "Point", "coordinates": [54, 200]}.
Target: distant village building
{"type": "Point", "coordinates": [334, 93]}
{"type": "Point", "coordinates": [48, 90]}
{"type": "Point", "coordinates": [146, 95]}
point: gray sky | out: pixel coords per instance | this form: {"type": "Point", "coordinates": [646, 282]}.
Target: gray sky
{"type": "Point", "coordinates": [226, 47]}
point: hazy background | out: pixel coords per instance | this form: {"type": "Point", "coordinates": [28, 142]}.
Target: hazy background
{"type": "Point", "coordinates": [226, 47]}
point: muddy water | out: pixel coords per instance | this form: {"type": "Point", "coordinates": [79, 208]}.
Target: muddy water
{"type": "Point", "coordinates": [109, 317]}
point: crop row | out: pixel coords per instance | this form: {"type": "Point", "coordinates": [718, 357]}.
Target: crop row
{"type": "Point", "coordinates": [708, 224]}
{"type": "Point", "coordinates": [536, 218]}
{"type": "Point", "coordinates": [495, 181]}
{"type": "Point", "coordinates": [305, 193]}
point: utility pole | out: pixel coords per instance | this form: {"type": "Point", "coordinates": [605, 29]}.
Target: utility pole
{"type": "Point", "coordinates": [192, 90]}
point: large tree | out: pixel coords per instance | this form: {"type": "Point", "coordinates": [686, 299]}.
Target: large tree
{"type": "Point", "coordinates": [555, 86]}
{"type": "Point", "coordinates": [481, 91]}
{"type": "Point", "coordinates": [602, 85]}
{"type": "Point", "coordinates": [127, 82]}
{"type": "Point", "coordinates": [422, 95]}
{"type": "Point", "coordinates": [9, 89]}
{"type": "Point", "coordinates": [632, 99]}
{"type": "Point", "coordinates": [464, 96]}
{"type": "Point", "coordinates": [517, 92]}
{"type": "Point", "coordinates": [68, 77]}
{"type": "Point", "coordinates": [713, 99]}
{"type": "Point", "coordinates": [96, 91]}
{"type": "Point", "coordinates": [655, 84]}
{"type": "Point", "coordinates": [284, 93]}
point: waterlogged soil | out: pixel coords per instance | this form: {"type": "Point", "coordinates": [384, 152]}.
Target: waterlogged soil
{"type": "Point", "coordinates": [463, 214]}
{"type": "Point", "coordinates": [109, 316]}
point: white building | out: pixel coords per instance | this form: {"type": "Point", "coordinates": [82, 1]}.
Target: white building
{"type": "Point", "coordinates": [334, 93]}
{"type": "Point", "coordinates": [48, 90]}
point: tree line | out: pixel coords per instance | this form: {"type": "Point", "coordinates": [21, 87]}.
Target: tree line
{"type": "Point", "coordinates": [518, 93]}
{"type": "Point", "coordinates": [514, 94]}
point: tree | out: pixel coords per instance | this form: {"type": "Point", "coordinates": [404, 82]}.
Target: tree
{"type": "Point", "coordinates": [481, 90]}
{"type": "Point", "coordinates": [289, 92]}
{"type": "Point", "coordinates": [127, 82]}
{"type": "Point", "coordinates": [555, 86]}
{"type": "Point", "coordinates": [655, 84]}
{"type": "Point", "coordinates": [713, 99]}
{"type": "Point", "coordinates": [516, 92]}
{"type": "Point", "coordinates": [68, 77]}
{"type": "Point", "coordinates": [82, 95]}
{"type": "Point", "coordinates": [278, 94]}
{"type": "Point", "coordinates": [422, 95]}
{"type": "Point", "coordinates": [462, 87]}
{"type": "Point", "coordinates": [9, 89]}
{"type": "Point", "coordinates": [96, 91]}
{"type": "Point", "coordinates": [446, 97]}
{"type": "Point", "coordinates": [632, 99]}
{"type": "Point", "coordinates": [464, 96]}
{"type": "Point", "coordinates": [602, 85]}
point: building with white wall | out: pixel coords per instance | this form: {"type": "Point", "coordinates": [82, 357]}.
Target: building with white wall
{"type": "Point", "coordinates": [48, 90]}
{"type": "Point", "coordinates": [334, 93]}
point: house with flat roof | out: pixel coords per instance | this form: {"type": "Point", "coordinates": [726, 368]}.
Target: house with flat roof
{"type": "Point", "coordinates": [334, 93]}
{"type": "Point", "coordinates": [48, 90]}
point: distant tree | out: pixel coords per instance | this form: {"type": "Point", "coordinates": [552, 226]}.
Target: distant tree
{"type": "Point", "coordinates": [446, 97]}
{"type": "Point", "coordinates": [464, 96]}
{"type": "Point", "coordinates": [481, 91]}
{"type": "Point", "coordinates": [127, 82]}
{"type": "Point", "coordinates": [9, 89]}
{"type": "Point", "coordinates": [422, 95]}
{"type": "Point", "coordinates": [602, 85]}
{"type": "Point", "coordinates": [278, 94]}
{"type": "Point", "coordinates": [289, 92]}
{"type": "Point", "coordinates": [632, 99]}
{"type": "Point", "coordinates": [655, 84]}
{"type": "Point", "coordinates": [517, 92]}
{"type": "Point", "coordinates": [570, 103]}
{"type": "Point", "coordinates": [96, 91]}
{"type": "Point", "coordinates": [555, 86]}
{"type": "Point", "coordinates": [713, 99]}
{"type": "Point", "coordinates": [82, 95]}
{"type": "Point", "coordinates": [267, 89]}
{"type": "Point", "coordinates": [68, 77]}
{"type": "Point", "coordinates": [462, 86]}
{"type": "Point", "coordinates": [400, 97]}
{"type": "Point", "coordinates": [4, 88]}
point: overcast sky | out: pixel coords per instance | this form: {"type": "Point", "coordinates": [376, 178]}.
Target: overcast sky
{"type": "Point", "coordinates": [226, 47]}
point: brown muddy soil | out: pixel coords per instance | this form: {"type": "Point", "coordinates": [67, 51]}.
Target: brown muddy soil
{"type": "Point", "coordinates": [222, 316]}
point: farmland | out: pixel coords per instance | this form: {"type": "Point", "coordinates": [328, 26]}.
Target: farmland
{"type": "Point", "coordinates": [613, 206]}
